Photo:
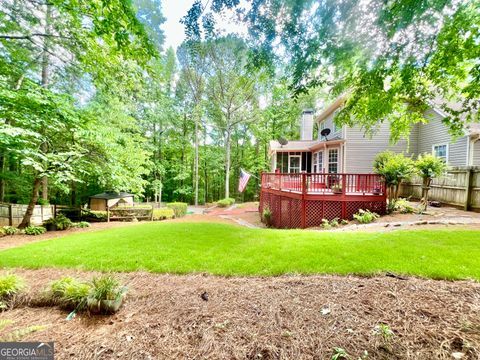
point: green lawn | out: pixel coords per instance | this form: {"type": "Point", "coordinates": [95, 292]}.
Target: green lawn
{"type": "Point", "coordinates": [177, 247]}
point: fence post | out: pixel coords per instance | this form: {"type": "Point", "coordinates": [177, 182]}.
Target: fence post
{"type": "Point", "coordinates": [304, 191]}
{"type": "Point", "coordinates": [468, 189]}
{"type": "Point", "coordinates": [10, 215]}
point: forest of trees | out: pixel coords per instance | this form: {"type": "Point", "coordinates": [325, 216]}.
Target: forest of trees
{"type": "Point", "coordinates": [90, 100]}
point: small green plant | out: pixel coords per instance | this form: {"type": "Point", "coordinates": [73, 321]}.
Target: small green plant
{"type": "Point", "coordinates": [344, 222]}
{"type": "Point", "coordinates": [81, 224]}
{"type": "Point", "coordinates": [365, 216]}
{"type": "Point", "coordinates": [35, 230]}
{"type": "Point", "coordinates": [10, 285]}
{"type": "Point", "coordinates": [179, 208]}
{"type": "Point", "coordinates": [69, 293]}
{"type": "Point", "coordinates": [163, 214]}
{"type": "Point", "coordinates": [385, 334]}
{"type": "Point", "coordinates": [340, 354]}
{"type": "Point", "coordinates": [225, 202]}
{"type": "Point", "coordinates": [10, 230]}
{"type": "Point", "coordinates": [60, 222]}
{"type": "Point", "coordinates": [337, 188]}
{"type": "Point", "coordinates": [102, 295]}
{"type": "Point", "coordinates": [267, 216]}
{"type": "Point", "coordinates": [334, 223]}
{"type": "Point", "coordinates": [326, 224]}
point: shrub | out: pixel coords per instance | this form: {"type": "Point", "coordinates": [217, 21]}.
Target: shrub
{"type": "Point", "coordinates": [267, 216]}
{"type": "Point", "coordinates": [93, 216]}
{"type": "Point", "coordinates": [365, 216]}
{"type": "Point", "coordinates": [81, 224]}
{"type": "Point", "coordinates": [10, 230]}
{"type": "Point", "coordinates": [35, 230]}
{"type": "Point", "coordinates": [163, 214]}
{"type": "Point", "coordinates": [42, 202]}
{"type": "Point", "coordinates": [326, 224]}
{"type": "Point", "coordinates": [61, 222]}
{"type": "Point", "coordinates": [2, 232]}
{"type": "Point", "coordinates": [395, 168]}
{"type": "Point", "coordinates": [179, 208]}
{"type": "Point", "coordinates": [404, 207]}
{"type": "Point", "coordinates": [10, 285]}
{"type": "Point", "coordinates": [225, 202]}
{"type": "Point", "coordinates": [69, 293]}
{"type": "Point", "coordinates": [428, 167]}
{"type": "Point", "coordinates": [106, 295]}
{"type": "Point", "coordinates": [102, 295]}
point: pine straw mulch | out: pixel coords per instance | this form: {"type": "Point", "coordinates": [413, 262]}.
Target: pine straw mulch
{"type": "Point", "coordinates": [165, 317]}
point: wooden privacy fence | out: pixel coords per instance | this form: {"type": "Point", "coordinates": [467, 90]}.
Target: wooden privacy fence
{"type": "Point", "coordinates": [12, 214]}
{"type": "Point", "coordinates": [459, 187]}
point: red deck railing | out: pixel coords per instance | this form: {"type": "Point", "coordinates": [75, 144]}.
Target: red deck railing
{"type": "Point", "coordinates": [303, 200]}
{"type": "Point", "coordinates": [323, 183]}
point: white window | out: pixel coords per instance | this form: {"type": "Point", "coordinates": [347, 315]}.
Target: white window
{"type": "Point", "coordinates": [317, 162]}
{"type": "Point", "coordinates": [333, 161]}
{"type": "Point", "coordinates": [294, 163]}
{"type": "Point", "coordinates": [440, 151]}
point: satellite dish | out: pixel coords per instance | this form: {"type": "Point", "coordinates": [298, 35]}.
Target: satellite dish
{"type": "Point", "coordinates": [283, 141]}
{"type": "Point", "coordinates": [325, 133]}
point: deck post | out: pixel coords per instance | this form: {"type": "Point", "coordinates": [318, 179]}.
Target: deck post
{"type": "Point", "coordinates": [304, 192]}
{"type": "Point", "coordinates": [344, 189]}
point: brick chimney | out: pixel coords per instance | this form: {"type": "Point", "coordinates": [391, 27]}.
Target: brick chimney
{"type": "Point", "coordinates": [306, 125]}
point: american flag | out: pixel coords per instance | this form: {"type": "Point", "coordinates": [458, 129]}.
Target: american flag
{"type": "Point", "coordinates": [244, 177]}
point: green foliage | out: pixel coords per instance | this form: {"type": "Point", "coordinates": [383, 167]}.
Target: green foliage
{"type": "Point", "coordinates": [42, 202]}
{"type": "Point", "coordinates": [429, 166]}
{"type": "Point", "coordinates": [94, 216]}
{"type": "Point", "coordinates": [9, 230]}
{"type": "Point", "coordinates": [81, 224]}
{"type": "Point", "coordinates": [179, 208]}
{"type": "Point", "coordinates": [395, 168]}
{"type": "Point", "coordinates": [76, 295]}
{"type": "Point", "coordinates": [404, 207]}
{"type": "Point", "coordinates": [106, 287]}
{"type": "Point", "coordinates": [61, 222]}
{"type": "Point", "coordinates": [326, 224]}
{"type": "Point", "coordinates": [384, 332]}
{"type": "Point", "coordinates": [267, 216]}
{"type": "Point", "coordinates": [365, 216]}
{"type": "Point", "coordinates": [163, 214]}
{"type": "Point", "coordinates": [10, 285]}
{"type": "Point", "coordinates": [225, 202]}
{"type": "Point", "coordinates": [340, 354]}
{"type": "Point", "coordinates": [69, 293]}
{"type": "Point", "coordinates": [34, 230]}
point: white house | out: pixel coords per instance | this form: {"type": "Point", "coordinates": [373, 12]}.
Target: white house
{"type": "Point", "coordinates": [349, 150]}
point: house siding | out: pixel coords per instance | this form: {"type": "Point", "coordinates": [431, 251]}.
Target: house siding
{"type": "Point", "coordinates": [435, 132]}
{"type": "Point", "coordinates": [330, 125]}
{"type": "Point", "coordinates": [360, 149]}
{"type": "Point", "coordinates": [476, 153]}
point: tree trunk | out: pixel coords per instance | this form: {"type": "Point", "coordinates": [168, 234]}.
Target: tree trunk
{"type": "Point", "coordinates": [31, 206]}
{"type": "Point", "coordinates": [2, 180]}
{"type": "Point", "coordinates": [227, 164]}
{"type": "Point", "coordinates": [45, 78]}
{"type": "Point", "coordinates": [196, 160]}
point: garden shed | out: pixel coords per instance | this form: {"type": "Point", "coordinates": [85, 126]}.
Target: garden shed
{"type": "Point", "coordinates": [100, 202]}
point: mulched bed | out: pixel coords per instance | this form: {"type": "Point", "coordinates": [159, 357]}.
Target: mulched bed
{"type": "Point", "coordinates": [165, 317]}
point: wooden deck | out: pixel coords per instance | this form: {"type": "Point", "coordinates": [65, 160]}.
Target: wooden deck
{"type": "Point", "coordinates": [303, 200]}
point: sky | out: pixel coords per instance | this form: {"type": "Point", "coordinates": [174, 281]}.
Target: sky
{"type": "Point", "coordinates": [174, 10]}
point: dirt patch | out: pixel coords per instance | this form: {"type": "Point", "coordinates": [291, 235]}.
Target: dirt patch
{"type": "Point", "coordinates": [10, 241]}
{"type": "Point", "coordinates": [289, 317]}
